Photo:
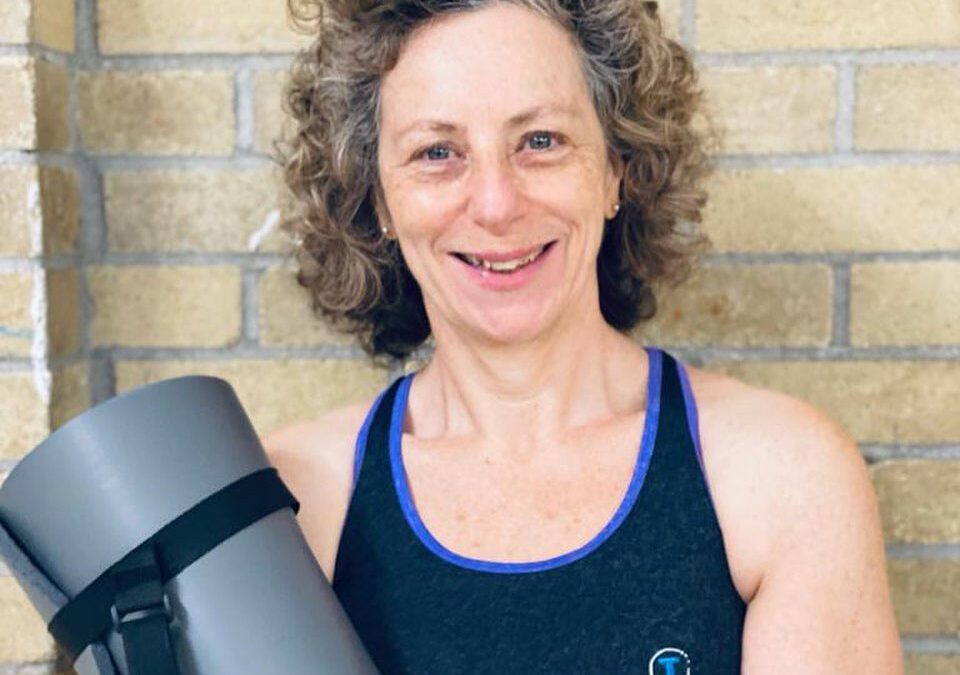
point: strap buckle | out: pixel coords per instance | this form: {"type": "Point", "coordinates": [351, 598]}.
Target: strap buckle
{"type": "Point", "coordinates": [143, 612]}
{"type": "Point", "coordinates": [139, 593]}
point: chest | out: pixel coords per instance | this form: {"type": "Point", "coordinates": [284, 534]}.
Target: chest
{"type": "Point", "coordinates": [479, 504]}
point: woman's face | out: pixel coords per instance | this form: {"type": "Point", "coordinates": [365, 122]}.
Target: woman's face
{"type": "Point", "coordinates": [490, 147]}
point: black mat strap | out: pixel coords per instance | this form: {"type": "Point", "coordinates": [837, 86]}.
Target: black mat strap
{"type": "Point", "coordinates": [129, 595]}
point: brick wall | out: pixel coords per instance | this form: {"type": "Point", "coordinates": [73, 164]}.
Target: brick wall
{"type": "Point", "coordinates": [137, 206]}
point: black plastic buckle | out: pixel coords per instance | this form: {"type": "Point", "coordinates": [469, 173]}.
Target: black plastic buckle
{"type": "Point", "coordinates": [141, 613]}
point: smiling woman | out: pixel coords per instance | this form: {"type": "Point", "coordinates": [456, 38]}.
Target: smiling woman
{"type": "Point", "coordinates": [369, 132]}
{"type": "Point", "coordinates": [515, 178]}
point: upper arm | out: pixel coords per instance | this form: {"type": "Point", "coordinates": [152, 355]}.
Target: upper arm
{"type": "Point", "coordinates": [823, 604]}
{"type": "Point", "coordinates": [315, 461]}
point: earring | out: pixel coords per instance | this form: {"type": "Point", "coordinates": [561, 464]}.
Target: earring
{"type": "Point", "coordinates": [616, 208]}
{"type": "Point", "coordinates": [386, 232]}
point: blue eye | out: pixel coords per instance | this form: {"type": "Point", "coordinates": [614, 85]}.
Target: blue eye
{"type": "Point", "coordinates": [433, 148]}
{"type": "Point", "coordinates": [430, 153]}
{"type": "Point", "coordinates": [541, 134]}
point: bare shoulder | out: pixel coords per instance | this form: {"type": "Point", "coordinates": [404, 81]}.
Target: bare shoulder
{"type": "Point", "coordinates": [775, 464]}
{"type": "Point", "coordinates": [315, 458]}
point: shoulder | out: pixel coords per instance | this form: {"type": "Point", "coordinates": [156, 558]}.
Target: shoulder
{"type": "Point", "coordinates": [315, 459]}
{"type": "Point", "coordinates": [802, 529]}
{"type": "Point", "coordinates": [777, 467]}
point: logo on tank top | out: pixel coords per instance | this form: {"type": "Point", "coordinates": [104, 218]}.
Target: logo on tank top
{"type": "Point", "coordinates": [670, 661]}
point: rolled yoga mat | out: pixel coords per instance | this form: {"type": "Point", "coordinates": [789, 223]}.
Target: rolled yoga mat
{"type": "Point", "coordinates": [166, 489]}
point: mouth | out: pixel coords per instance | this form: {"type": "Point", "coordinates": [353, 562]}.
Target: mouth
{"type": "Point", "coordinates": [504, 263]}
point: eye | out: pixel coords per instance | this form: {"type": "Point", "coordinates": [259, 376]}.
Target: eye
{"type": "Point", "coordinates": [538, 138]}
{"type": "Point", "coordinates": [431, 152]}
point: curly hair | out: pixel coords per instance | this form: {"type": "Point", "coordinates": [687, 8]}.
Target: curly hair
{"type": "Point", "coordinates": [643, 85]}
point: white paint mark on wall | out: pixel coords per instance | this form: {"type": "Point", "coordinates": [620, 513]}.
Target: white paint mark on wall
{"type": "Point", "coordinates": [269, 223]}
{"type": "Point", "coordinates": [35, 218]}
{"type": "Point", "coordinates": [38, 301]}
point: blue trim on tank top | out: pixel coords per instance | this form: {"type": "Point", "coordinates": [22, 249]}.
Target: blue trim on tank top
{"type": "Point", "coordinates": [361, 444]}
{"type": "Point", "coordinates": [693, 424]}
{"type": "Point", "coordinates": [648, 438]}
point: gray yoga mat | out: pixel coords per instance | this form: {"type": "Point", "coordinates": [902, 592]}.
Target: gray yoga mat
{"type": "Point", "coordinates": [113, 476]}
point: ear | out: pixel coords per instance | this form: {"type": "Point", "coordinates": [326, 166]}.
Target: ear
{"type": "Point", "coordinates": [616, 168]}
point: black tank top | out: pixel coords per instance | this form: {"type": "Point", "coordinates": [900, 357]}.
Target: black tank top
{"type": "Point", "coordinates": [650, 594]}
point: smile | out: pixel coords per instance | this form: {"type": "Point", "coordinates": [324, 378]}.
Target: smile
{"type": "Point", "coordinates": [502, 264]}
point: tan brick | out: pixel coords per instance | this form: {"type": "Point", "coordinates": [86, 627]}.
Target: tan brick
{"type": "Point", "coordinates": [63, 311]}
{"type": "Point", "coordinates": [772, 109]}
{"type": "Point", "coordinates": [671, 14]}
{"type": "Point", "coordinates": [285, 315]}
{"type": "Point", "coordinates": [161, 112]}
{"type": "Point", "coordinates": [23, 415]}
{"type": "Point", "coordinates": [826, 24]}
{"type": "Point", "coordinates": [932, 664]}
{"type": "Point", "coordinates": [16, 325]}
{"type": "Point", "coordinates": [142, 26]}
{"type": "Point", "coordinates": [861, 208]}
{"type": "Point", "coordinates": [876, 401]}
{"type": "Point", "coordinates": [187, 210]}
{"type": "Point", "coordinates": [70, 393]}
{"type": "Point", "coordinates": [908, 107]}
{"type": "Point", "coordinates": [52, 102]}
{"type": "Point", "coordinates": [23, 633]}
{"type": "Point", "coordinates": [30, 194]}
{"type": "Point", "coordinates": [53, 24]}
{"type": "Point", "coordinates": [19, 208]}
{"type": "Point", "coordinates": [901, 303]}
{"type": "Point", "coordinates": [919, 500]}
{"type": "Point", "coordinates": [17, 114]}
{"type": "Point", "coordinates": [60, 204]}
{"type": "Point", "coordinates": [180, 306]}
{"type": "Point", "coordinates": [15, 21]}
{"type": "Point", "coordinates": [273, 392]}
{"type": "Point", "coordinates": [751, 305]}
{"type": "Point", "coordinates": [926, 595]}
{"type": "Point", "coordinates": [269, 119]}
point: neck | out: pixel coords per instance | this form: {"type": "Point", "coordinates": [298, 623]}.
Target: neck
{"type": "Point", "coordinates": [525, 398]}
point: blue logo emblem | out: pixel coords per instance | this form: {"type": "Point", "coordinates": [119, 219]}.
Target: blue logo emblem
{"type": "Point", "coordinates": [670, 661]}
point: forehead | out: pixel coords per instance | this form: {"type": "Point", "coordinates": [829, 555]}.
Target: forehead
{"type": "Point", "coordinates": [500, 60]}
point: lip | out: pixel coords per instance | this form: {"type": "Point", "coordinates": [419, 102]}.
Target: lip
{"type": "Point", "coordinates": [495, 256]}
{"type": "Point", "coordinates": [497, 281]}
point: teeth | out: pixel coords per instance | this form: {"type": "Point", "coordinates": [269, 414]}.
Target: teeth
{"type": "Point", "coordinates": [505, 265]}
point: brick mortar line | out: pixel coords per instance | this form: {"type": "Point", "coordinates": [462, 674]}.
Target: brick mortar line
{"type": "Point", "coordinates": [35, 50]}
{"type": "Point", "coordinates": [262, 260]}
{"type": "Point", "coordinates": [10, 157]}
{"type": "Point", "coordinates": [218, 61]}
{"type": "Point", "coordinates": [243, 96]}
{"type": "Point", "coordinates": [834, 161]}
{"type": "Point", "coordinates": [877, 452]}
{"type": "Point", "coordinates": [891, 56]}
{"type": "Point", "coordinates": [695, 355]}
{"type": "Point", "coordinates": [945, 645]}
{"type": "Point", "coordinates": [841, 305]}
{"type": "Point", "coordinates": [250, 159]}
{"type": "Point", "coordinates": [688, 24]}
{"type": "Point", "coordinates": [41, 668]}
{"type": "Point", "coordinates": [237, 353]}
{"type": "Point", "coordinates": [827, 257]}
{"type": "Point", "coordinates": [194, 61]}
{"type": "Point", "coordinates": [250, 307]}
{"type": "Point", "coordinates": [912, 551]}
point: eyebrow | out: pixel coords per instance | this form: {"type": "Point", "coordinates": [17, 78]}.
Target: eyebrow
{"type": "Point", "coordinates": [520, 118]}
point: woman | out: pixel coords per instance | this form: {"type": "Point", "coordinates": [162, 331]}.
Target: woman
{"type": "Point", "coordinates": [545, 494]}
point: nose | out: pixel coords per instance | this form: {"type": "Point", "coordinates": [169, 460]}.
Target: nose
{"type": "Point", "coordinates": [495, 194]}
